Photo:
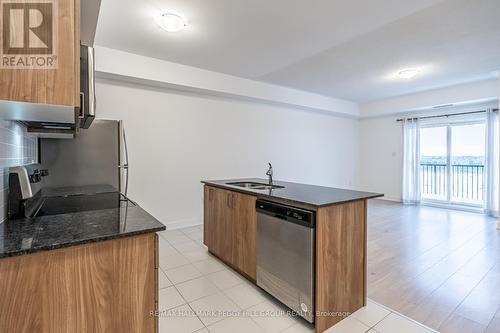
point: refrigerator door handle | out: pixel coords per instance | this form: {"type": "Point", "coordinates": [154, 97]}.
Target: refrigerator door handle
{"type": "Point", "coordinates": [126, 179]}
{"type": "Point", "coordinates": [124, 165]}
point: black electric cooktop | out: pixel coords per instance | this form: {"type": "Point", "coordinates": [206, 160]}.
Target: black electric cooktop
{"type": "Point", "coordinates": [82, 203]}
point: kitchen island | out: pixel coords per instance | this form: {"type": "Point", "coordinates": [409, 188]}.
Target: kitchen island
{"type": "Point", "coordinates": [230, 232]}
{"type": "Point", "coordinates": [87, 264]}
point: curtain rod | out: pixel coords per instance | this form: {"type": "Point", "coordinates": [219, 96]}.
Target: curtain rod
{"type": "Point", "coordinates": [446, 115]}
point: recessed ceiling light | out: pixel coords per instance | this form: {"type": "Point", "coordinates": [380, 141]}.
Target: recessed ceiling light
{"type": "Point", "coordinates": [171, 22]}
{"type": "Point", "coordinates": [408, 73]}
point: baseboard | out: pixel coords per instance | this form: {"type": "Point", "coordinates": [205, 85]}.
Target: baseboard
{"type": "Point", "coordinates": [453, 207]}
{"type": "Point", "coordinates": [182, 224]}
{"type": "Point", "coordinates": [389, 199]}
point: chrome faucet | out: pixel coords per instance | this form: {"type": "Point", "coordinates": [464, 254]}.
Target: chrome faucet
{"type": "Point", "coordinates": [270, 173]}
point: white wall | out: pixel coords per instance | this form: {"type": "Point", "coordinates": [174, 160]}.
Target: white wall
{"type": "Point", "coordinates": [177, 139]}
{"type": "Point", "coordinates": [381, 150]}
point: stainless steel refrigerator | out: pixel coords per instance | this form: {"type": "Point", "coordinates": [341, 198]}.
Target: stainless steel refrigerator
{"type": "Point", "coordinates": [97, 156]}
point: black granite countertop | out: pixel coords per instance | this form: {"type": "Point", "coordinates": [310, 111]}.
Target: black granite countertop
{"type": "Point", "coordinates": [313, 195]}
{"type": "Point", "coordinates": [48, 232]}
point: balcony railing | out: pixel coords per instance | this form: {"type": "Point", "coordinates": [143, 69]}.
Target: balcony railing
{"type": "Point", "coordinates": [467, 182]}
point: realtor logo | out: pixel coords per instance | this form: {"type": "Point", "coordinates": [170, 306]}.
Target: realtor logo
{"type": "Point", "coordinates": [29, 34]}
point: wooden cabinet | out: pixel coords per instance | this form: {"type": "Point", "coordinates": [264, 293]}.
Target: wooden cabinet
{"type": "Point", "coordinates": [100, 287]}
{"type": "Point", "coordinates": [224, 242]}
{"type": "Point", "coordinates": [230, 228]}
{"type": "Point", "coordinates": [58, 84]}
{"type": "Point", "coordinates": [244, 229]}
{"type": "Point", "coordinates": [209, 217]}
{"type": "Point", "coordinates": [217, 227]}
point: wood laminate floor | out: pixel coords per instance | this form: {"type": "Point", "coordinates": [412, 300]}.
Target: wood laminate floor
{"type": "Point", "coordinates": [440, 267]}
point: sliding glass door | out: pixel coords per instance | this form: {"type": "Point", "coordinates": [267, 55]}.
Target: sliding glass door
{"type": "Point", "coordinates": [468, 147]}
{"type": "Point", "coordinates": [452, 159]}
{"type": "Point", "coordinates": [433, 163]}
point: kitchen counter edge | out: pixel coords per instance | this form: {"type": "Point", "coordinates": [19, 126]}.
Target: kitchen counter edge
{"type": "Point", "coordinates": [83, 241]}
{"type": "Point", "coordinates": [77, 243]}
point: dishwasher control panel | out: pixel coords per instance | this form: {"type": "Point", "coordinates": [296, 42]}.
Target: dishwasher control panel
{"type": "Point", "coordinates": [292, 214]}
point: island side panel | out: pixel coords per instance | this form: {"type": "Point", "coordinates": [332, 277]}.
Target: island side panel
{"type": "Point", "coordinates": [100, 287]}
{"type": "Point", "coordinates": [340, 262]}
{"type": "Point", "coordinates": [157, 282]}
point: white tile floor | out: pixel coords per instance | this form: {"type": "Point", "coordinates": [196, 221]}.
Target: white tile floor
{"type": "Point", "coordinates": [198, 293]}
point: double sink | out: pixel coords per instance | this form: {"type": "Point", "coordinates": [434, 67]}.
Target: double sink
{"type": "Point", "coordinates": [255, 186]}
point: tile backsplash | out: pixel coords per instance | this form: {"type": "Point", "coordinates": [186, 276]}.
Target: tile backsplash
{"type": "Point", "coordinates": [17, 147]}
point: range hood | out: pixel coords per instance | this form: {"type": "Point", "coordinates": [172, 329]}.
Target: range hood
{"type": "Point", "coordinates": [24, 111]}
{"type": "Point", "coordinates": [45, 120]}
{"type": "Point", "coordinates": [51, 130]}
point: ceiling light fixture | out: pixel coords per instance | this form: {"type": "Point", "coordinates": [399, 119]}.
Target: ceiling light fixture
{"type": "Point", "coordinates": [408, 73]}
{"type": "Point", "coordinates": [171, 22]}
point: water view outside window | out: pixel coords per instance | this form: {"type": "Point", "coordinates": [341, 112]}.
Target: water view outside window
{"type": "Point", "coordinates": [433, 163]}
{"type": "Point", "coordinates": [452, 160]}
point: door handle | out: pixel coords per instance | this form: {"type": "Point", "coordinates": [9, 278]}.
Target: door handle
{"type": "Point", "coordinates": [81, 114]}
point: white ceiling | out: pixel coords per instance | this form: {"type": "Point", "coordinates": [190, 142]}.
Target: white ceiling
{"type": "Point", "coordinates": [348, 49]}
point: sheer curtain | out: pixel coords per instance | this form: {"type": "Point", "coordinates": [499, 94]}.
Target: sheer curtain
{"type": "Point", "coordinates": [411, 161]}
{"type": "Point", "coordinates": [491, 174]}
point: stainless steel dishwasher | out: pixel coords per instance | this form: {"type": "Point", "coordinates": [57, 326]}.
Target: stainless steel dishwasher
{"type": "Point", "coordinates": [285, 255]}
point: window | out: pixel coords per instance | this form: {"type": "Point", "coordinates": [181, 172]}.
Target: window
{"type": "Point", "coordinates": [452, 159]}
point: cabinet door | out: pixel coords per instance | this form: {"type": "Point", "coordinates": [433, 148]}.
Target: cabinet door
{"type": "Point", "coordinates": [217, 222]}
{"type": "Point", "coordinates": [209, 217]}
{"type": "Point", "coordinates": [58, 84]}
{"type": "Point", "coordinates": [224, 240]}
{"type": "Point", "coordinates": [230, 224]}
{"type": "Point", "coordinates": [244, 233]}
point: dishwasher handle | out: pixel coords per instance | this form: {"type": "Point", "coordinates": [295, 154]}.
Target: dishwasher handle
{"type": "Point", "coordinates": [280, 217]}
{"type": "Point", "coordinates": [295, 215]}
